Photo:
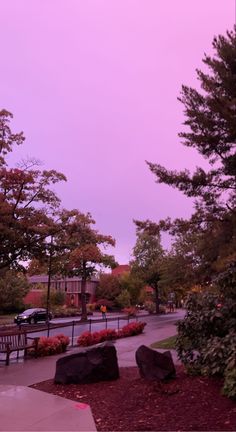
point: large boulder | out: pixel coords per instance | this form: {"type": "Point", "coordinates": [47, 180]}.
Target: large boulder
{"type": "Point", "coordinates": [154, 365]}
{"type": "Point", "coordinates": [93, 364]}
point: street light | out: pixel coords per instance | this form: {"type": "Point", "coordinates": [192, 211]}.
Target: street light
{"type": "Point", "coordinates": [49, 279]}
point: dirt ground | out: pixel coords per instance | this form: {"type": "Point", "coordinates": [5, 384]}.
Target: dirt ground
{"type": "Point", "coordinates": [133, 404]}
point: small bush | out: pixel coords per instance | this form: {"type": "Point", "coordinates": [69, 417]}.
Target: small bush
{"type": "Point", "coordinates": [52, 345]}
{"type": "Point", "coordinates": [87, 338]}
{"type": "Point", "coordinates": [132, 329]}
{"type": "Point", "coordinates": [65, 340]}
{"type": "Point", "coordinates": [108, 334]}
{"type": "Point", "coordinates": [64, 312]}
{"type": "Point", "coordinates": [49, 346]}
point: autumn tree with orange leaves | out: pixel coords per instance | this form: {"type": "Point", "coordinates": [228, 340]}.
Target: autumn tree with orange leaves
{"type": "Point", "coordinates": [83, 249]}
{"type": "Point", "coordinates": [27, 203]}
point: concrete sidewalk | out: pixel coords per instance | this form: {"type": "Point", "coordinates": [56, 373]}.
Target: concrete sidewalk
{"type": "Point", "coordinates": [15, 377]}
{"type": "Point", "coordinates": [26, 409]}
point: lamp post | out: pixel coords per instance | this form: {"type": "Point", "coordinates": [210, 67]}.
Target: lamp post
{"type": "Point", "coordinates": [49, 279]}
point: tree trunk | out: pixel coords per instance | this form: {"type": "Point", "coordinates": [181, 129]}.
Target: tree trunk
{"type": "Point", "coordinates": [157, 300]}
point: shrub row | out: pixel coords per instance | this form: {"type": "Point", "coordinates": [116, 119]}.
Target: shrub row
{"type": "Point", "coordinates": [58, 344]}
{"type": "Point", "coordinates": [87, 338]}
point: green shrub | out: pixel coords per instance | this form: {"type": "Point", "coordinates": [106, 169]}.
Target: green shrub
{"type": "Point", "coordinates": [206, 341]}
{"type": "Point", "coordinates": [203, 322]}
{"type": "Point", "coordinates": [218, 354]}
{"type": "Point", "coordinates": [64, 312]}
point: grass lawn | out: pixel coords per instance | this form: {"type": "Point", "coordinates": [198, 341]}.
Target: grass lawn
{"type": "Point", "coordinates": [168, 343]}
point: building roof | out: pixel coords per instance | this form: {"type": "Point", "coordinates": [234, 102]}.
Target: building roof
{"type": "Point", "coordinates": [121, 269]}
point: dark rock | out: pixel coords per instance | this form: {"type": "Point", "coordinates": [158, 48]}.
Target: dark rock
{"type": "Point", "coordinates": [154, 365]}
{"type": "Point", "coordinates": [89, 365]}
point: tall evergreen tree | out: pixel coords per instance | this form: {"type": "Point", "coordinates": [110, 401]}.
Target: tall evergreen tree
{"type": "Point", "coordinates": [211, 118]}
{"type": "Point", "coordinates": [210, 128]}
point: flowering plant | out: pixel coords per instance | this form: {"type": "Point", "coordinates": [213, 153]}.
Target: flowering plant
{"type": "Point", "coordinates": [52, 345]}
{"type": "Point", "coordinates": [87, 338]}
{"type": "Point", "coordinates": [132, 329]}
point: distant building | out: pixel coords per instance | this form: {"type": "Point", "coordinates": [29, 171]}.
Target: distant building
{"type": "Point", "coordinates": [120, 270]}
{"type": "Point", "coordinates": [70, 286]}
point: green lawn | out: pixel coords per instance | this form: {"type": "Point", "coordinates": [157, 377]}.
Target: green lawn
{"type": "Point", "coordinates": [168, 343]}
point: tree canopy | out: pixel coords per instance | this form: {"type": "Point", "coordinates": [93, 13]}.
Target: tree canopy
{"type": "Point", "coordinates": [81, 249]}
{"type": "Point", "coordinates": [210, 116]}
{"type": "Point", "coordinates": [207, 240]}
{"type": "Point", "coordinates": [31, 215]}
{"type": "Point", "coordinates": [147, 257]}
{"type": "Point", "coordinates": [27, 203]}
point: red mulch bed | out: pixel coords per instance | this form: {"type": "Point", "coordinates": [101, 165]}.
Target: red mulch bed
{"type": "Point", "coordinates": [188, 403]}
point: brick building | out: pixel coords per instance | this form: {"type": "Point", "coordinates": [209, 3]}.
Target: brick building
{"type": "Point", "coordinates": [70, 286]}
{"type": "Point", "coordinates": [120, 270]}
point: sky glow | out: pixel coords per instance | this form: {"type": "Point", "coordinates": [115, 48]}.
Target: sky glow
{"type": "Point", "coordinates": [94, 85]}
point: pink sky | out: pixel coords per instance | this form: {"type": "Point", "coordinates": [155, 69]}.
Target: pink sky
{"type": "Point", "coordinates": [94, 84]}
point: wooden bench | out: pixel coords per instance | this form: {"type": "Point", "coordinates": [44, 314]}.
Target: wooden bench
{"type": "Point", "coordinates": [17, 341]}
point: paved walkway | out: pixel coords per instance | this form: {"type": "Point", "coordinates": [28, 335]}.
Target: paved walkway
{"type": "Point", "coordinates": [26, 409]}
{"type": "Point", "coordinates": [30, 371]}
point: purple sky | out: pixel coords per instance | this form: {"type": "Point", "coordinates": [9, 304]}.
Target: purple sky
{"type": "Point", "coordinates": [94, 84]}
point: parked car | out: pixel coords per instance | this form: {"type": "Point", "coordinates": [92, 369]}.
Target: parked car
{"type": "Point", "coordinates": [32, 316]}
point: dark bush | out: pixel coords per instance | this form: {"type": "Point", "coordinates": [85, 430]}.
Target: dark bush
{"type": "Point", "coordinates": [206, 341]}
